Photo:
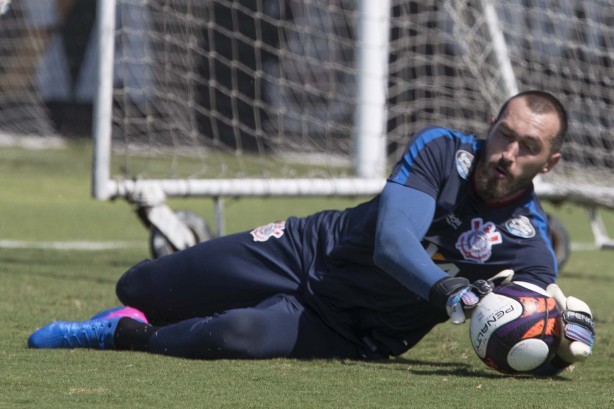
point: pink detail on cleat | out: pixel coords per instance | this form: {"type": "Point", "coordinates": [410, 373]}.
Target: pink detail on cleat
{"type": "Point", "coordinates": [122, 311]}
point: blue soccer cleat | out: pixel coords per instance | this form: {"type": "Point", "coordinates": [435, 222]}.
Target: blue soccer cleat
{"type": "Point", "coordinates": [96, 334]}
{"type": "Point", "coordinates": [122, 311]}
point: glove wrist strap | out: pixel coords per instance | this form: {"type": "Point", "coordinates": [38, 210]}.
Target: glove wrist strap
{"type": "Point", "coordinates": [580, 318]}
{"type": "Point", "coordinates": [444, 288]}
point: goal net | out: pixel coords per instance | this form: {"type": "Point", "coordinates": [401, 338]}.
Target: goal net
{"type": "Point", "coordinates": [24, 36]}
{"type": "Point", "coordinates": [265, 96]}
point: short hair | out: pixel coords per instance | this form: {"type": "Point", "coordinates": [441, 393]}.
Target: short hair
{"type": "Point", "coordinates": [541, 102]}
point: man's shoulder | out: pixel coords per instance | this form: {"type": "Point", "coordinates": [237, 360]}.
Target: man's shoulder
{"type": "Point", "coordinates": [445, 136]}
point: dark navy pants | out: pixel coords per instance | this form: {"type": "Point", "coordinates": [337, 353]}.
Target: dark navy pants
{"type": "Point", "coordinates": [231, 297]}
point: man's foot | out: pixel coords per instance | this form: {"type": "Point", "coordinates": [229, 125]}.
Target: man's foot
{"type": "Point", "coordinates": [122, 311]}
{"type": "Point", "coordinates": [97, 334]}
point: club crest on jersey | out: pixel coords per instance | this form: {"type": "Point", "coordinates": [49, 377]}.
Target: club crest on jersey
{"type": "Point", "coordinates": [476, 244]}
{"type": "Point", "coordinates": [263, 233]}
{"type": "Point", "coordinates": [520, 227]}
{"type": "Point", "coordinates": [464, 160]}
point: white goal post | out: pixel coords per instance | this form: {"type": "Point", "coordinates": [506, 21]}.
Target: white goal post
{"type": "Point", "coordinates": [369, 137]}
{"type": "Point", "coordinates": [318, 97]}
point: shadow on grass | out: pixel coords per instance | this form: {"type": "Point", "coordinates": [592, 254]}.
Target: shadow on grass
{"type": "Point", "coordinates": [439, 368]}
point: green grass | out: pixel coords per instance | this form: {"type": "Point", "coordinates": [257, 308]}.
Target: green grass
{"type": "Point", "coordinates": [45, 197]}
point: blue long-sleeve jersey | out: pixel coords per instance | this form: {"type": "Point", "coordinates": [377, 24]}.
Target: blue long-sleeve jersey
{"type": "Point", "coordinates": [460, 233]}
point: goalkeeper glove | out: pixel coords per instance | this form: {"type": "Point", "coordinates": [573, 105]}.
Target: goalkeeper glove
{"type": "Point", "coordinates": [578, 329]}
{"type": "Point", "coordinates": [459, 297]}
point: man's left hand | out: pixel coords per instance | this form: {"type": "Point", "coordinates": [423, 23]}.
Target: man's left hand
{"type": "Point", "coordinates": [460, 297]}
{"type": "Point", "coordinates": [578, 329]}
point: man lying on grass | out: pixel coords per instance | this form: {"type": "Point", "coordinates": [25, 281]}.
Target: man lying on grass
{"type": "Point", "coordinates": [366, 282]}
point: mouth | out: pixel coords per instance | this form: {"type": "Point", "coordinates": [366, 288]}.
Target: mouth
{"type": "Point", "coordinates": [500, 172]}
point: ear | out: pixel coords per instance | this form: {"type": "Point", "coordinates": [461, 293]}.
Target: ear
{"type": "Point", "coordinates": [492, 124]}
{"type": "Point", "coordinates": [552, 161]}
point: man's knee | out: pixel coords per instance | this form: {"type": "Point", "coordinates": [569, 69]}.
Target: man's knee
{"type": "Point", "coordinates": [132, 286]}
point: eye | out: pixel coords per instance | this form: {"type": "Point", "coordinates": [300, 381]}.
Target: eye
{"type": "Point", "coordinates": [531, 147]}
{"type": "Point", "coordinates": [507, 134]}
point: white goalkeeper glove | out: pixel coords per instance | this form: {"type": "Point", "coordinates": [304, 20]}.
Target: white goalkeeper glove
{"type": "Point", "coordinates": [459, 297]}
{"type": "Point", "coordinates": [578, 329]}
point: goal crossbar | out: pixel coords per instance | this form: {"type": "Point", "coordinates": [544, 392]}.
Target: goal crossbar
{"type": "Point", "coordinates": [245, 187]}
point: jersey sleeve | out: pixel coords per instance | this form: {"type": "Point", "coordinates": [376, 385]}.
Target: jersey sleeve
{"type": "Point", "coordinates": [536, 262]}
{"type": "Point", "coordinates": [408, 204]}
{"type": "Point", "coordinates": [404, 216]}
{"type": "Point", "coordinates": [427, 160]}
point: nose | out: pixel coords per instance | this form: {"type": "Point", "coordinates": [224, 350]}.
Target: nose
{"type": "Point", "coordinates": [511, 151]}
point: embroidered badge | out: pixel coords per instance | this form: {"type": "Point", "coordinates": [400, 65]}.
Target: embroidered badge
{"type": "Point", "coordinates": [453, 221]}
{"type": "Point", "coordinates": [521, 227]}
{"type": "Point", "coordinates": [464, 160]}
{"type": "Point", "coordinates": [263, 233]}
{"type": "Point", "coordinates": [476, 244]}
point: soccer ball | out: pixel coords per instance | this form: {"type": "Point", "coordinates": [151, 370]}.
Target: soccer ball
{"type": "Point", "coordinates": [516, 328]}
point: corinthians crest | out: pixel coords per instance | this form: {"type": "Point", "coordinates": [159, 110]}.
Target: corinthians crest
{"type": "Point", "coordinates": [476, 244]}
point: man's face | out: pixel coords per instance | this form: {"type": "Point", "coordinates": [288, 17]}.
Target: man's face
{"type": "Point", "coordinates": [517, 149]}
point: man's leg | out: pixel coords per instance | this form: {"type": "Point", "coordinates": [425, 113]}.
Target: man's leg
{"type": "Point", "coordinates": [279, 327]}
{"type": "Point", "coordinates": [221, 274]}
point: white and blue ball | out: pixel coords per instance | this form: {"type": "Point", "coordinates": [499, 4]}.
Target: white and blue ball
{"type": "Point", "coordinates": [516, 328]}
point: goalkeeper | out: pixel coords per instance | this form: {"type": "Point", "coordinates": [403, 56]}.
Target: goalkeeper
{"type": "Point", "coordinates": [366, 282]}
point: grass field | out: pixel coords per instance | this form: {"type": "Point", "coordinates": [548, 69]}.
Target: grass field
{"type": "Point", "coordinates": [45, 199]}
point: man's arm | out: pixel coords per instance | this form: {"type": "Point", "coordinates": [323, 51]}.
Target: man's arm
{"type": "Point", "coordinates": [405, 215]}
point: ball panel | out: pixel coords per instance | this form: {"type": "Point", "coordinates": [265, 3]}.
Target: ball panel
{"type": "Point", "coordinates": [497, 352]}
{"type": "Point", "coordinates": [519, 342]}
{"type": "Point", "coordinates": [534, 305]}
{"type": "Point", "coordinates": [528, 354]}
{"type": "Point", "coordinates": [531, 287]}
{"type": "Point", "coordinates": [537, 330]}
{"type": "Point", "coordinates": [495, 311]}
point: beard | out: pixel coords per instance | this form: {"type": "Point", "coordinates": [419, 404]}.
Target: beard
{"type": "Point", "coordinates": [494, 189]}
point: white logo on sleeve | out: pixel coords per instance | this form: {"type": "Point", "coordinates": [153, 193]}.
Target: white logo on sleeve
{"type": "Point", "coordinates": [476, 244]}
{"type": "Point", "coordinates": [263, 233]}
{"type": "Point", "coordinates": [520, 227]}
{"type": "Point", "coordinates": [463, 160]}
